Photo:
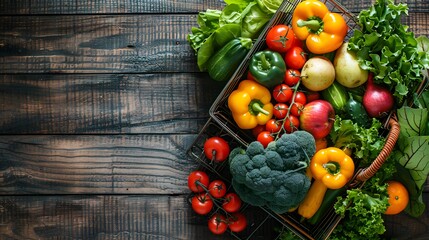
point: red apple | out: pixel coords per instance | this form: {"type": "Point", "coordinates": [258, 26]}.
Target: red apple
{"type": "Point", "coordinates": [317, 118]}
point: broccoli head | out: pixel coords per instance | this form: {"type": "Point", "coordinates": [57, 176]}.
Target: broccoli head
{"type": "Point", "coordinates": [275, 176]}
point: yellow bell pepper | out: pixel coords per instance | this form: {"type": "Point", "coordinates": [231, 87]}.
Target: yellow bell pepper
{"type": "Point", "coordinates": [333, 167]}
{"type": "Point", "coordinates": [250, 104]}
{"type": "Point", "coordinates": [322, 30]}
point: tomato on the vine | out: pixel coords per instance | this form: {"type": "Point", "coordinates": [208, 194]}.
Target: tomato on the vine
{"type": "Point", "coordinates": [216, 148]}
{"type": "Point", "coordinates": [232, 202]}
{"type": "Point", "coordinates": [217, 188]}
{"type": "Point", "coordinates": [282, 93]}
{"type": "Point", "coordinates": [218, 224]}
{"type": "Point", "coordinates": [237, 222]}
{"type": "Point", "coordinates": [202, 203]}
{"type": "Point", "coordinates": [196, 179]}
{"type": "Point", "coordinates": [291, 124]}
{"type": "Point", "coordinates": [280, 110]}
{"type": "Point", "coordinates": [280, 38]}
{"type": "Point", "coordinates": [296, 109]}
{"type": "Point", "coordinates": [273, 125]}
{"type": "Point", "coordinates": [295, 58]}
{"type": "Point", "coordinates": [265, 138]}
{"type": "Point", "coordinates": [292, 77]}
{"type": "Point", "coordinates": [300, 98]}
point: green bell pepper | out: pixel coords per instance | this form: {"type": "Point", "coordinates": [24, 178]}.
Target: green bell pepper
{"type": "Point", "coordinates": [268, 68]}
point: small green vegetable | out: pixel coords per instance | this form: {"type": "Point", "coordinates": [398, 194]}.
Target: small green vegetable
{"type": "Point", "coordinates": [268, 68]}
{"type": "Point", "coordinates": [336, 94]}
{"type": "Point", "coordinates": [225, 62]}
{"type": "Point", "coordinates": [327, 204]}
{"type": "Point", "coordinates": [273, 177]}
{"type": "Point", "coordinates": [355, 111]}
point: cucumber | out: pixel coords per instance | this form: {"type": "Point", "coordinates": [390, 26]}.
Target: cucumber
{"type": "Point", "coordinates": [222, 65]}
{"type": "Point", "coordinates": [328, 202]}
{"type": "Point", "coordinates": [355, 111]}
{"type": "Point", "coordinates": [336, 94]}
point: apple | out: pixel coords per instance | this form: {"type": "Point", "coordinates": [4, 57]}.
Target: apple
{"type": "Point", "coordinates": [317, 118]}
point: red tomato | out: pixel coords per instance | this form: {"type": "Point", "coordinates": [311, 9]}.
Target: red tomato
{"type": "Point", "coordinates": [200, 177]}
{"type": "Point", "coordinates": [282, 93]}
{"type": "Point", "coordinates": [232, 202]}
{"type": "Point", "coordinates": [312, 95]}
{"type": "Point", "coordinates": [291, 124]}
{"type": "Point", "coordinates": [300, 98]}
{"type": "Point", "coordinates": [265, 138]}
{"type": "Point", "coordinates": [258, 129]}
{"type": "Point", "coordinates": [296, 109]}
{"type": "Point", "coordinates": [217, 188]}
{"type": "Point", "coordinates": [297, 42]}
{"type": "Point", "coordinates": [216, 148]}
{"type": "Point", "coordinates": [201, 203]}
{"type": "Point", "coordinates": [295, 58]}
{"type": "Point", "coordinates": [237, 222]}
{"type": "Point", "coordinates": [280, 110]}
{"type": "Point", "coordinates": [292, 77]}
{"type": "Point", "coordinates": [280, 38]}
{"type": "Point", "coordinates": [218, 224]}
{"type": "Point", "coordinates": [273, 125]}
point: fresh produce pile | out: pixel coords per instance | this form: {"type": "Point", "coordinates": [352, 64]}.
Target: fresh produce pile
{"type": "Point", "coordinates": [317, 105]}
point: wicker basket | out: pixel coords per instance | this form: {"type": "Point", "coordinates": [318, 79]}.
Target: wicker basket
{"type": "Point", "coordinates": [221, 123]}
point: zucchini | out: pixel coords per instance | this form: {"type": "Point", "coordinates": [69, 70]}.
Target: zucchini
{"type": "Point", "coordinates": [222, 65]}
{"type": "Point", "coordinates": [336, 94]}
{"type": "Point", "coordinates": [327, 203]}
{"type": "Point", "coordinates": [356, 112]}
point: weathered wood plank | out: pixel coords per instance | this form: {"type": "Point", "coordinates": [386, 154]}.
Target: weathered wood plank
{"type": "Point", "coordinates": [118, 103]}
{"type": "Point", "coordinates": [13, 7]}
{"type": "Point", "coordinates": [102, 164]}
{"type": "Point", "coordinates": [115, 217]}
{"type": "Point", "coordinates": [108, 44]}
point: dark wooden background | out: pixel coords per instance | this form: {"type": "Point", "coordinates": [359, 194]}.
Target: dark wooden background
{"type": "Point", "coordinates": [99, 101]}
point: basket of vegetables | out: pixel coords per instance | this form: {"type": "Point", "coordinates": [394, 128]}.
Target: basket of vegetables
{"type": "Point", "coordinates": [318, 109]}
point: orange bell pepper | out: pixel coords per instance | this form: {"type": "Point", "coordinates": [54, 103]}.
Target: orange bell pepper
{"type": "Point", "coordinates": [322, 30]}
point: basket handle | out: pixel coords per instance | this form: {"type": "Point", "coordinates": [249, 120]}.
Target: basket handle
{"type": "Point", "coordinates": [392, 137]}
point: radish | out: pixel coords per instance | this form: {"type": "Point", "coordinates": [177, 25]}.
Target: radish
{"type": "Point", "coordinates": [377, 100]}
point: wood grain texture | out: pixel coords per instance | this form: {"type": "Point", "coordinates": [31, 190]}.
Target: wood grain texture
{"type": "Point", "coordinates": [108, 44]}
{"type": "Point", "coordinates": [99, 164]}
{"type": "Point", "coordinates": [46, 7]}
{"type": "Point", "coordinates": [106, 103]}
{"type": "Point", "coordinates": [114, 217]}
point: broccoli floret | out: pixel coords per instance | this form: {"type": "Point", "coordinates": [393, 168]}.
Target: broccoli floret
{"type": "Point", "coordinates": [275, 176]}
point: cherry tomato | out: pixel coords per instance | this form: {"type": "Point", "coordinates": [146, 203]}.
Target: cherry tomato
{"type": "Point", "coordinates": [250, 76]}
{"type": "Point", "coordinates": [217, 188]}
{"type": "Point", "coordinates": [265, 138]}
{"type": "Point", "coordinates": [295, 58]}
{"type": "Point", "coordinates": [218, 224]}
{"type": "Point", "coordinates": [300, 98]}
{"type": "Point", "coordinates": [291, 124]}
{"type": "Point", "coordinates": [297, 42]}
{"type": "Point", "coordinates": [280, 110]}
{"type": "Point", "coordinates": [216, 148]}
{"type": "Point", "coordinates": [202, 203]}
{"type": "Point", "coordinates": [280, 38]}
{"type": "Point", "coordinates": [232, 202]}
{"type": "Point", "coordinates": [296, 109]}
{"type": "Point", "coordinates": [292, 77]}
{"type": "Point", "coordinates": [312, 95]}
{"type": "Point", "coordinates": [282, 93]}
{"type": "Point", "coordinates": [273, 125]}
{"type": "Point", "coordinates": [237, 222]}
{"type": "Point", "coordinates": [200, 177]}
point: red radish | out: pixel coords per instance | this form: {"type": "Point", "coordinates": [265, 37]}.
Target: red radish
{"type": "Point", "coordinates": [377, 100]}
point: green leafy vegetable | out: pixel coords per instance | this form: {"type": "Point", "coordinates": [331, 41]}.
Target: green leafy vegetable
{"type": "Point", "coordinates": [366, 143]}
{"type": "Point", "coordinates": [385, 47]}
